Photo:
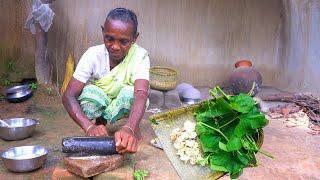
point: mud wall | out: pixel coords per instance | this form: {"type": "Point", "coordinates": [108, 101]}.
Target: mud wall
{"type": "Point", "coordinates": [16, 44]}
{"type": "Point", "coordinates": [200, 38]}
{"type": "Point", "coordinates": [300, 49]}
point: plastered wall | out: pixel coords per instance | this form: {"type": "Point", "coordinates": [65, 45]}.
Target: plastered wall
{"type": "Point", "coordinates": [300, 49]}
{"type": "Point", "coordinates": [16, 42]}
{"type": "Point", "coordinates": [202, 39]}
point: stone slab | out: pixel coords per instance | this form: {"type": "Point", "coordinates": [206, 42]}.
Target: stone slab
{"type": "Point", "coordinates": [93, 165]}
{"type": "Point", "coordinates": [123, 173]}
{"type": "Point", "coordinates": [60, 173]}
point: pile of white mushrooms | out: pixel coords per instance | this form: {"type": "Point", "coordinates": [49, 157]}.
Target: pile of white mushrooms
{"type": "Point", "coordinates": [184, 141]}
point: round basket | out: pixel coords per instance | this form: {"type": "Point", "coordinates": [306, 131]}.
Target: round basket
{"type": "Point", "coordinates": [163, 78]}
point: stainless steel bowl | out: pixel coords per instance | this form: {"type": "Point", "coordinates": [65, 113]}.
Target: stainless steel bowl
{"type": "Point", "coordinates": [18, 88]}
{"type": "Point", "coordinates": [20, 128]}
{"type": "Point", "coordinates": [189, 100]}
{"type": "Point", "coordinates": [24, 158]}
{"type": "Point", "coordinates": [19, 96]}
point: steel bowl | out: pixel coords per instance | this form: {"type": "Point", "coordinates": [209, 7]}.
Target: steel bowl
{"type": "Point", "coordinates": [24, 158]}
{"type": "Point", "coordinates": [189, 100]}
{"type": "Point", "coordinates": [16, 89]}
{"type": "Point", "coordinates": [20, 128]}
{"type": "Point", "coordinates": [19, 96]}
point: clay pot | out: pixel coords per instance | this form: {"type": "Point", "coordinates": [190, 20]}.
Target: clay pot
{"type": "Point", "coordinates": [243, 63]}
{"type": "Point", "coordinates": [242, 78]}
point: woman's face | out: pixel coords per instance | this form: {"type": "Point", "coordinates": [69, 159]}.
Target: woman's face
{"type": "Point", "coordinates": [118, 37]}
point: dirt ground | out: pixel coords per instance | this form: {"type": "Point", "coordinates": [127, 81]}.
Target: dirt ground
{"type": "Point", "coordinates": [296, 151]}
{"type": "Point", "coordinates": [45, 105]}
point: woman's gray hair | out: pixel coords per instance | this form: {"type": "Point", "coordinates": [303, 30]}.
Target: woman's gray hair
{"type": "Point", "coordinates": [124, 15]}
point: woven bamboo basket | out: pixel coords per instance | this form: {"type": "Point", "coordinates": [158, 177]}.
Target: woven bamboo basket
{"type": "Point", "coordinates": [161, 124]}
{"type": "Point", "coordinates": [163, 78]}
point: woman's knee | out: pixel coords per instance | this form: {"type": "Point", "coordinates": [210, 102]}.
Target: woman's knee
{"type": "Point", "coordinates": [127, 91]}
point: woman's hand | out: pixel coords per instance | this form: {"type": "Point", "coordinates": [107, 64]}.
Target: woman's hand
{"type": "Point", "coordinates": [99, 130]}
{"type": "Point", "coordinates": [126, 141]}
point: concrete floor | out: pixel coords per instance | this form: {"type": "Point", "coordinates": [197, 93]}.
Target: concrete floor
{"type": "Point", "coordinates": [296, 152]}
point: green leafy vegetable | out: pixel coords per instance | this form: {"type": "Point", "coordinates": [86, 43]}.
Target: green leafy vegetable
{"type": "Point", "coordinates": [153, 121]}
{"type": "Point", "coordinates": [228, 127]}
{"type": "Point", "coordinates": [1, 96]}
{"type": "Point", "coordinates": [34, 86]}
{"type": "Point", "coordinates": [140, 174]}
{"type": "Point", "coordinates": [242, 103]}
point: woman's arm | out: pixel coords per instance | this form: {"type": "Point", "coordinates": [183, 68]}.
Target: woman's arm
{"type": "Point", "coordinates": [70, 102]}
{"type": "Point", "coordinates": [129, 134]}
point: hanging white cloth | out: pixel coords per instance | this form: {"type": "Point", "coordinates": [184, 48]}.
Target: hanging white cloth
{"type": "Point", "coordinates": [41, 13]}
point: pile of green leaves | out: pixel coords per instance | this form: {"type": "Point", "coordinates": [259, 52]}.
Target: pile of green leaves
{"type": "Point", "coordinates": [140, 174]}
{"type": "Point", "coordinates": [228, 128]}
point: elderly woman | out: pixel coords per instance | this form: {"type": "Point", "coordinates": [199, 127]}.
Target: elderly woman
{"type": "Point", "coordinates": [110, 81]}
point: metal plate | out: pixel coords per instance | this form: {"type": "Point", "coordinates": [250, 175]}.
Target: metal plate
{"type": "Point", "coordinates": [18, 88]}
{"type": "Point", "coordinates": [19, 96]}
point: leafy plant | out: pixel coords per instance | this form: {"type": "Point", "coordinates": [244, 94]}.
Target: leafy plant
{"type": "Point", "coordinates": [34, 86]}
{"type": "Point", "coordinates": [7, 82]}
{"type": "Point", "coordinates": [10, 65]}
{"type": "Point", "coordinates": [154, 121]}
{"type": "Point", "coordinates": [140, 174]}
{"type": "Point", "coordinates": [49, 90]}
{"type": "Point", "coordinates": [1, 97]}
{"type": "Point", "coordinates": [228, 128]}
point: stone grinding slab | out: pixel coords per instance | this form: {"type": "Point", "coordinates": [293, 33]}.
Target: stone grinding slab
{"type": "Point", "coordinates": [92, 165]}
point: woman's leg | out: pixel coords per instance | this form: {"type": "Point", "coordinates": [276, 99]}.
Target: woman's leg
{"type": "Point", "coordinates": [93, 101]}
{"type": "Point", "coordinates": [121, 105]}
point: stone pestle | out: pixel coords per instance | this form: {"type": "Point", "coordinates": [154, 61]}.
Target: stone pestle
{"type": "Point", "coordinates": [83, 146]}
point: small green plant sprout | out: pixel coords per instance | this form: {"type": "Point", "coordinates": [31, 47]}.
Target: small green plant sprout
{"type": "Point", "coordinates": [7, 82]}
{"type": "Point", "coordinates": [1, 97]}
{"type": "Point", "coordinates": [49, 90]}
{"type": "Point", "coordinates": [140, 174]}
{"type": "Point", "coordinates": [10, 65]}
{"type": "Point", "coordinates": [34, 86]}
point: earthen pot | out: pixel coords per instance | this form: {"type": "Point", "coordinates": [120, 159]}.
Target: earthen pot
{"type": "Point", "coordinates": [242, 78]}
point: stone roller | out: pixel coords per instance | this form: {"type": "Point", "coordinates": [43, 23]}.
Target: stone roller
{"type": "Point", "coordinates": [84, 146]}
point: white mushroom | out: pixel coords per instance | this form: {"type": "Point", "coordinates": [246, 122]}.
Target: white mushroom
{"type": "Point", "coordinates": [184, 141]}
{"type": "Point", "coordinates": [189, 143]}
{"type": "Point", "coordinates": [189, 126]}
{"type": "Point", "coordinates": [191, 135]}
{"type": "Point", "coordinates": [178, 145]}
{"type": "Point", "coordinates": [193, 161]}
{"type": "Point", "coordinates": [184, 158]}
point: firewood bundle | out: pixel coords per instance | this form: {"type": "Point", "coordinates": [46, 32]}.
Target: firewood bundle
{"type": "Point", "coordinates": [309, 103]}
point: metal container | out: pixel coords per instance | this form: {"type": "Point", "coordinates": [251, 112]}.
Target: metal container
{"type": "Point", "coordinates": [24, 158]}
{"type": "Point", "coordinates": [190, 96]}
{"type": "Point", "coordinates": [20, 128]}
{"type": "Point", "coordinates": [19, 96]}
{"type": "Point", "coordinates": [18, 88]}
{"type": "Point", "coordinates": [189, 100]}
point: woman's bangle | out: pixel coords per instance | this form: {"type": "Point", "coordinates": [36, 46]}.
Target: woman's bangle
{"type": "Point", "coordinates": [129, 128]}
{"type": "Point", "coordinates": [89, 128]}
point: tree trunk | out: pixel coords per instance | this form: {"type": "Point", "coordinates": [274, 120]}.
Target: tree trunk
{"type": "Point", "coordinates": [43, 67]}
